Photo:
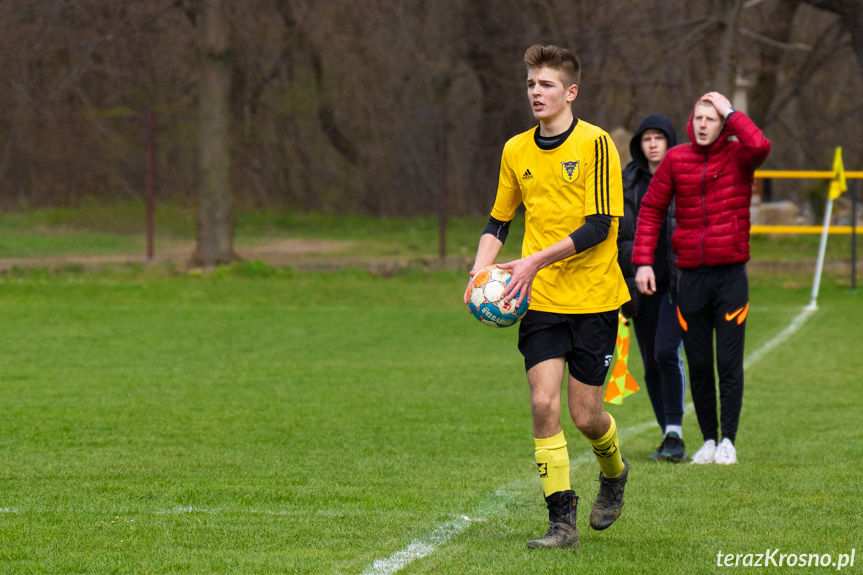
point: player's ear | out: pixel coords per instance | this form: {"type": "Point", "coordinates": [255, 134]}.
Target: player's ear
{"type": "Point", "coordinates": [572, 93]}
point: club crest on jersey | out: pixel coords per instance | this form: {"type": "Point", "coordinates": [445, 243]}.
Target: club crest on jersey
{"type": "Point", "coordinates": [569, 171]}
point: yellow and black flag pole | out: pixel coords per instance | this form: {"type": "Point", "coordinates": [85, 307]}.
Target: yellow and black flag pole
{"type": "Point", "coordinates": [838, 185]}
{"type": "Point", "coordinates": [853, 194]}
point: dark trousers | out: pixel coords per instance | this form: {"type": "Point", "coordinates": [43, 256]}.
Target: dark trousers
{"type": "Point", "coordinates": [715, 300]}
{"type": "Point", "coordinates": [660, 341]}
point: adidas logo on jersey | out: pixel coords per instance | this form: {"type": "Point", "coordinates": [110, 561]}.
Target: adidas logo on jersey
{"type": "Point", "coordinates": [527, 175]}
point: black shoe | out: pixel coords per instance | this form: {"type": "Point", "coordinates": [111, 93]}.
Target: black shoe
{"type": "Point", "coordinates": [674, 449]}
{"type": "Point", "coordinates": [562, 532]}
{"type": "Point", "coordinates": [609, 500]}
{"type": "Point", "coordinates": [657, 455]}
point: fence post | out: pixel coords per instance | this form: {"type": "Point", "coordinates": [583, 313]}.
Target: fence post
{"type": "Point", "coordinates": [442, 184]}
{"type": "Point", "coordinates": [151, 177]}
{"type": "Point", "coordinates": [853, 189]}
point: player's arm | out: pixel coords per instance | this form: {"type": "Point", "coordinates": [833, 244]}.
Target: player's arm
{"type": "Point", "coordinates": [490, 243]}
{"type": "Point", "coordinates": [592, 232]}
{"type": "Point", "coordinates": [506, 201]}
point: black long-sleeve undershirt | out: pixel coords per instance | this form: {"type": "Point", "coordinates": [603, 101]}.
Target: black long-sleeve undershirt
{"type": "Point", "coordinates": [497, 228]}
{"type": "Point", "coordinates": [594, 231]}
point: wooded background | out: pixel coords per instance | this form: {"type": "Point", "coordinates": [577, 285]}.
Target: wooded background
{"type": "Point", "coordinates": [341, 105]}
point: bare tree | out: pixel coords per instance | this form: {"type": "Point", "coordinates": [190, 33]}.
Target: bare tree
{"type": "Point", "coordinates": [772, 42]}
{"type": "Point", "coordinates": [851, 12]}
{"type": "Point", "coordinates": [332, 106]}
{"type": "Point", "coordinates": [215, 229]}
{"type": "Point", "coordinates": [724, 78]}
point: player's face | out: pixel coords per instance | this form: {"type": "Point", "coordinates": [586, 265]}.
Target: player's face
{"type": "Point", "coordinates": [548, 95]}
{"type": "Point", "coordinates": [707, 124]}
{"type": "Point", "coordinates": [654, 144]}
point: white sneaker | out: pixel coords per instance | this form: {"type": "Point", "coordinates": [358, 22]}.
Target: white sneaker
{"type": "Point", "coordinates": [725, 454]}
{"type": "Point", "coordinates": [707, 452]}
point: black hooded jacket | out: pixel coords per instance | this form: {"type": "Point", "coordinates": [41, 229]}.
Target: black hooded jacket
{"type": "Point", "coordinates": [636, 179]}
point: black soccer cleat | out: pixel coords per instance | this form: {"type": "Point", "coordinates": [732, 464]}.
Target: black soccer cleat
{"type": "Point", "coordinates": [562, 532]}
{"type": "Point", "coordinates": [559, 536]}
{"type": "Point", "coordinates": [657, 455]}
{"type": "Point", "coordinates": [674, 450]}
{"type": "Point", "coordinates": [609, 501]}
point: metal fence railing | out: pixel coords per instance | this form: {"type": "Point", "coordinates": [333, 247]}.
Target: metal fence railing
{"type": "Point", "coordinates": [835, 175]}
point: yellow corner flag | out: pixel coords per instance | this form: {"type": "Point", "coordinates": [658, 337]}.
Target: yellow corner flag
{"type": "Point", "coordinates": [621, 383]}
{"type": "Point", "coordinates": [837, 184]}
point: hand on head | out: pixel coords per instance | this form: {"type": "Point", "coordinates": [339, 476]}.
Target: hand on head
{"type": "Point", "coordinates": [720, 102]}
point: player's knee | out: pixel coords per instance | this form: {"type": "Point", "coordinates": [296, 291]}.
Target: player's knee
{"type": "Point", "coordinates": [543, 405]}
{"type": "Point", "coordinates": [587, 421]}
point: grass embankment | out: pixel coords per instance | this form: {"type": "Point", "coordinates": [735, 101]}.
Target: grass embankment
{"type": "Point", "coordinates": [104, 229]}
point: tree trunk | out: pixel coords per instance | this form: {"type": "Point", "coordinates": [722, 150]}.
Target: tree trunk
{"type": "Point", "coordinates": [726, 66]}
{"type": "Point", "coordinates": [215, 228]}
{"type": "Point", "coordinates": [852, 13]}
{"type": "Point", "coordinates": [777, 34]}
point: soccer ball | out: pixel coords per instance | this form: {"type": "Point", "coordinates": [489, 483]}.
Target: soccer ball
{"type": "Point", "coordinates": [484, 301]}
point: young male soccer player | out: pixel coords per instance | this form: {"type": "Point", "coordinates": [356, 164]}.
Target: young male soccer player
{"type": "Point", "coordinates": [566, 172]}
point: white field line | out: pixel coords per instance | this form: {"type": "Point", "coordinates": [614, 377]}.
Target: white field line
{"type": "Point", "coordinates": [423, 546]}
{"type": "Point", "coordinates": [779, 338]}
{"type": "Point", "coordinates": [419, 548]}
{"type": "Point", "coordinates": [185, 509]}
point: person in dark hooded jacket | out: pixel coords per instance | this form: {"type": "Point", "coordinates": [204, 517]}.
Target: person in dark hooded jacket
{"type": "Point", "coordinates": [657, 330]}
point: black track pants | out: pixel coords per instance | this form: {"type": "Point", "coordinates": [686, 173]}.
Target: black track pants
{"type": "Point", "coordinates": [715, 300]}
{"type": "Point", "coordinates": [659, 338]}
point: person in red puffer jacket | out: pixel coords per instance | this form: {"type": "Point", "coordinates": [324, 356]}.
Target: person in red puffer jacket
{"type": "Point", "coordinates": [710, 180]}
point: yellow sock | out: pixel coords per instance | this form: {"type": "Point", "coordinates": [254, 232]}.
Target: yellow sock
{"type": "Point", "coordinates": [607, 452]}
{"type": "Point", "coordinates": [552, 459]}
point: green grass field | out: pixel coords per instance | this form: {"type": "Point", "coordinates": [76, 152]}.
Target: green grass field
{"type": "Point", "coordinates": [270, 421]}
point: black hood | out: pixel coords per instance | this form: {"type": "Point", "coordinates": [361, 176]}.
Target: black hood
{"type": "Point", "coordinates": [651, 122]}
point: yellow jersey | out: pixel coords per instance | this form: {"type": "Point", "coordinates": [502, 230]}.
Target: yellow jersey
{"type": "Point", "coordinates": [559, 188]}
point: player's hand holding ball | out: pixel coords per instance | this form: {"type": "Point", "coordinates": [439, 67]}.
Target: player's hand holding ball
{"type": "Point", "coordinates": [484, 298]}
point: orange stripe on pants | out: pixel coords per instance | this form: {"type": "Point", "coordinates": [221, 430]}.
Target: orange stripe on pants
{"type": "Point", "coordinates": [681, 320]}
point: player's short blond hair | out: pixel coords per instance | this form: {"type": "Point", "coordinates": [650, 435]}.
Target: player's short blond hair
{"type": "Point", "coordinates": [557, 58]}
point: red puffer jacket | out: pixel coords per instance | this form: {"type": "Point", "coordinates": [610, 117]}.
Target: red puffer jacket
{"type": "Point", "coordinates": [712, 190]}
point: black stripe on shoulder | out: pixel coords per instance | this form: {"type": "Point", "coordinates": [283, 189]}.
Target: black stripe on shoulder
{"type": "Point", "coordinates": [607, 199]}
{"type": "Point", "coordinates": [599, 171]}
{"type": "Point", "coordinates": [596, 173]}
